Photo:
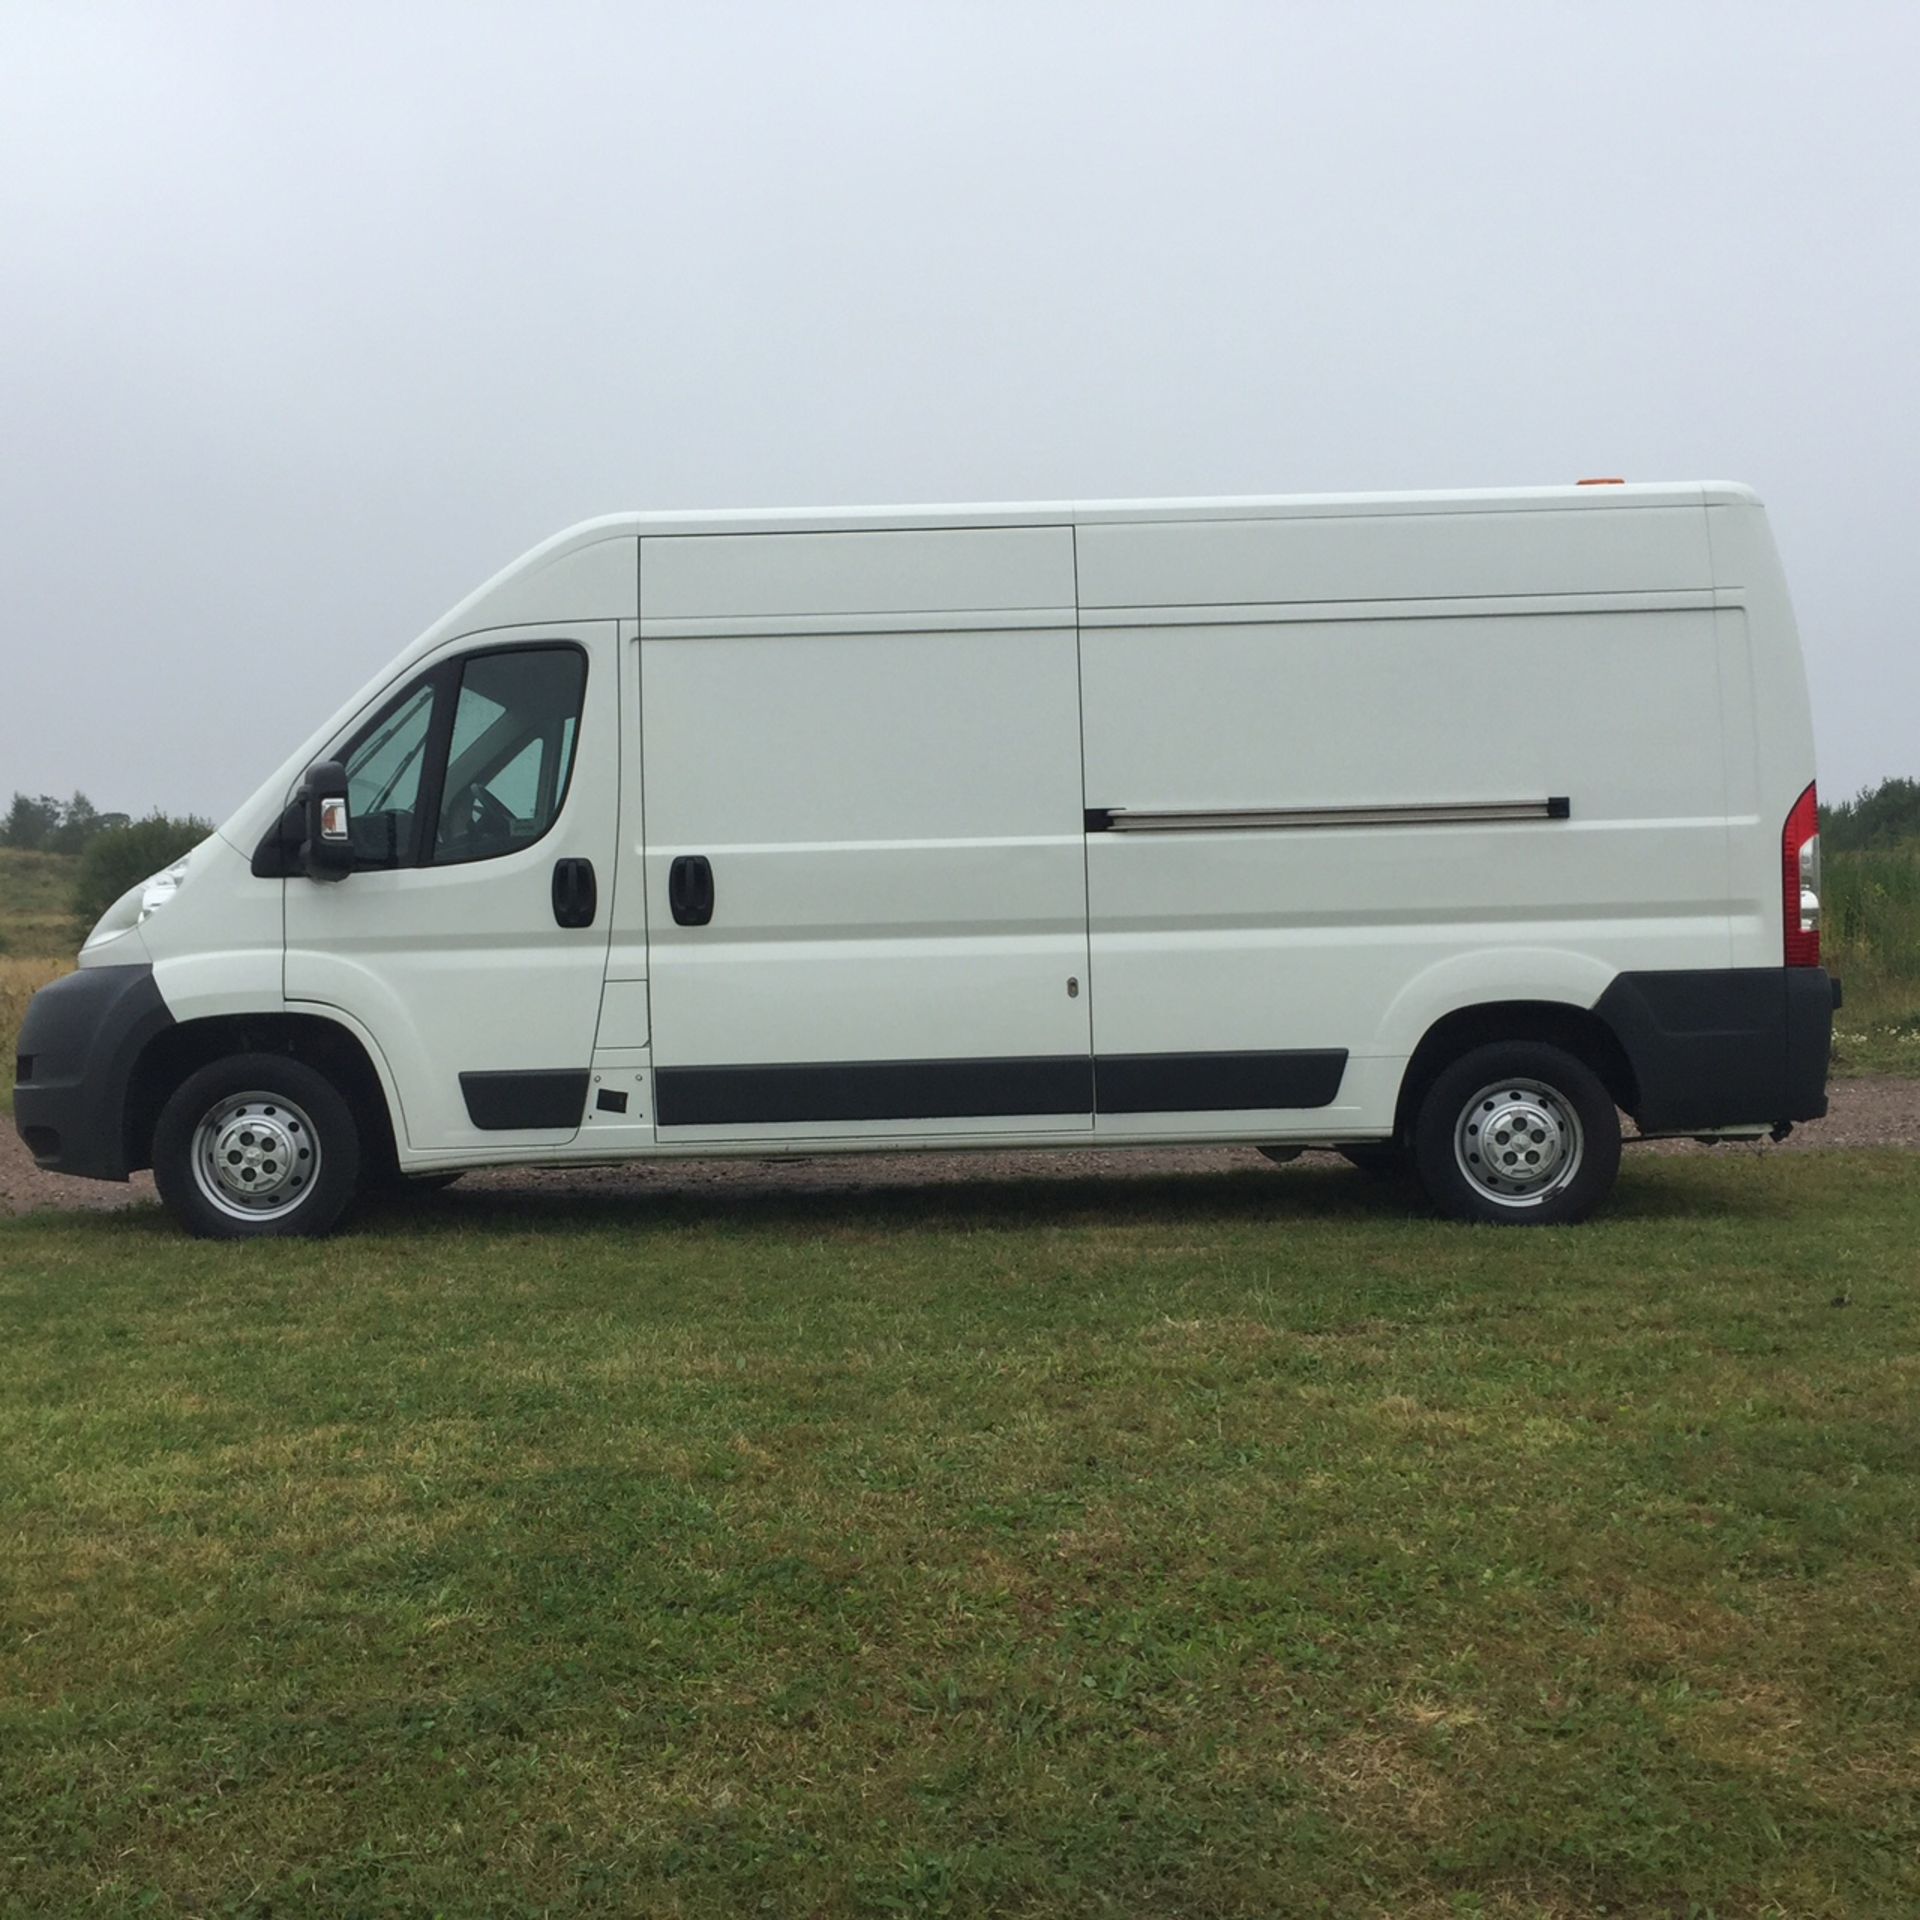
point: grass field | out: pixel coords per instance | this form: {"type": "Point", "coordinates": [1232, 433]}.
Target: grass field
{"type": "Point", "coordinates": [1224, 1546]}
{"type": "Point", "coordinates": [36, 904]}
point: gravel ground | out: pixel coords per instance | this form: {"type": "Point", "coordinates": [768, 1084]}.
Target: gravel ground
{"type": "Point", "coordinates": [1879, 1112]}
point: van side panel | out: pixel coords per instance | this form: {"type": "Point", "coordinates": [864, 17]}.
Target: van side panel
{"type": "Point", "coordinates": [1361, 936]}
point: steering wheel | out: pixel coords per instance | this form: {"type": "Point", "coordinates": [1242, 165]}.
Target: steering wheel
{"type": "Point", "coordinates": [479, 819]}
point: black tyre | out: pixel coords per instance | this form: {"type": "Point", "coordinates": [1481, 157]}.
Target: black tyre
{"type": "Point", "coordinates": [1518, 1134]}
{"type": "Point", "coordinates": [256, 1147]}
{"type": "Point", "coordinates": [1281, 1156]}
{"type": "Point", "coordinates": [1380, 1158]}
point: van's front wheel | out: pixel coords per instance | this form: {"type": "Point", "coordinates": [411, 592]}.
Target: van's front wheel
{"type": "Point", "coordinates": [1517, 1134]}
{"type": "Point", "coordinates": [256, 1146]}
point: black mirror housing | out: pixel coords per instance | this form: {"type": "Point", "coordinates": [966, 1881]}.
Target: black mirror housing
{"type": "Point", "coordinates": [326, 852]}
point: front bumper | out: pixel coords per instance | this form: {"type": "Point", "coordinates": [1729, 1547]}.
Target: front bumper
{"type": "Point", "coordinates": [78, 1046]}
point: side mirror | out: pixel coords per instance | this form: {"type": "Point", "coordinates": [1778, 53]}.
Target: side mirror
{"type": "Point", "coordinates": [327, 851]}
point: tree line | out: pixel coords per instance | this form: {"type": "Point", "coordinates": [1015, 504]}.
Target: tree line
{"type": "Point", "coordinates": [42, 824]}
{"type": "Point", "coordinates": [1884, 816]}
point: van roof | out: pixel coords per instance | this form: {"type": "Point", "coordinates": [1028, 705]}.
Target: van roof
{"type": "Point", "coordinates": [1613, 495]}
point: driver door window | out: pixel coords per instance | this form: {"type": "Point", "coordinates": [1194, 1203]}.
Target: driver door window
{"type": "Point", "coordinates": [470, 761]}
{"type": "Point", "coordinates": [510, 751]}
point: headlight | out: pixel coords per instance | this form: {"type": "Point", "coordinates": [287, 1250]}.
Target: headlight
{"type": "Point", "coordinates": [139, 901]}
{"type": "Point", "coordinates": [156, 892]}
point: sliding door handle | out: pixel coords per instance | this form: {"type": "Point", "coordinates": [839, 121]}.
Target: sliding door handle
{"type": "Point", "coordinates": [690, 890]}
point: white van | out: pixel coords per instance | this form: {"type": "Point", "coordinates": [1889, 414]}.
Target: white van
{"type": "Point", "coordinates": [1438, 828]}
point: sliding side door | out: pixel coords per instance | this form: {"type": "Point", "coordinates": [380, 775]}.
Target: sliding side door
{"type": "Point", "coordinates": [866, 892]}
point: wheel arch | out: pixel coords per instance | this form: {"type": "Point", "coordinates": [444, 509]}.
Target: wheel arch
{"type": "Point", "coordinates": [1577, 1030]}
{"type": "Point", "coordinates": [326, 1045]}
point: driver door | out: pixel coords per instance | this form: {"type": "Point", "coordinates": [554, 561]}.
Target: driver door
{"type": "Point", "coordinates": [470, 940]}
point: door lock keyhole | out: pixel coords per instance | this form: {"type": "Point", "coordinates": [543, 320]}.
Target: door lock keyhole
{"type": "Point", "coordinates": [1073, 988]}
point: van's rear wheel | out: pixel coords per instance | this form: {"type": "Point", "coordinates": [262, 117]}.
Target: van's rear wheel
{"type": "Point", "coordinates": [256, 1146]}
{"type": "Point", "coordinates": [1517, 1134]}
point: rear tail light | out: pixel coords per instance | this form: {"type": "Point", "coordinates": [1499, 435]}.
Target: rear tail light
{"type": "Point", "coordinates": [1800, 880]}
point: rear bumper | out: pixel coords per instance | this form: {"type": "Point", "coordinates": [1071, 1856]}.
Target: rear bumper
{"type": "Point", "coordinates": [78, 1045]}
{"type": "Point", "coordinates": [1724, 1047]}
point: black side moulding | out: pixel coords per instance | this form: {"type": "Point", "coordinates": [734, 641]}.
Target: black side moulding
{"type": "Point", "coordinates": [511, 1102]}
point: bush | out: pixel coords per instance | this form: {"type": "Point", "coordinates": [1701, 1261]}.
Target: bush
{"type": "Point", "coordinates": [119, 857]}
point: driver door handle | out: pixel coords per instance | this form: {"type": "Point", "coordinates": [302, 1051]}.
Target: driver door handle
{"type": "Point", "coordinates": [576, 896]}
{"type": "Point", "coordinates": [690, 890]}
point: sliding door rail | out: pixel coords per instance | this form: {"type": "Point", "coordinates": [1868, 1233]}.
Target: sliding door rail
{"type": "Point", "coordinates": [1444, 813]}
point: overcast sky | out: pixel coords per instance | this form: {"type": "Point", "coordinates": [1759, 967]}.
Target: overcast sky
{"type": "Point", "coordinates": [313, 316]}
